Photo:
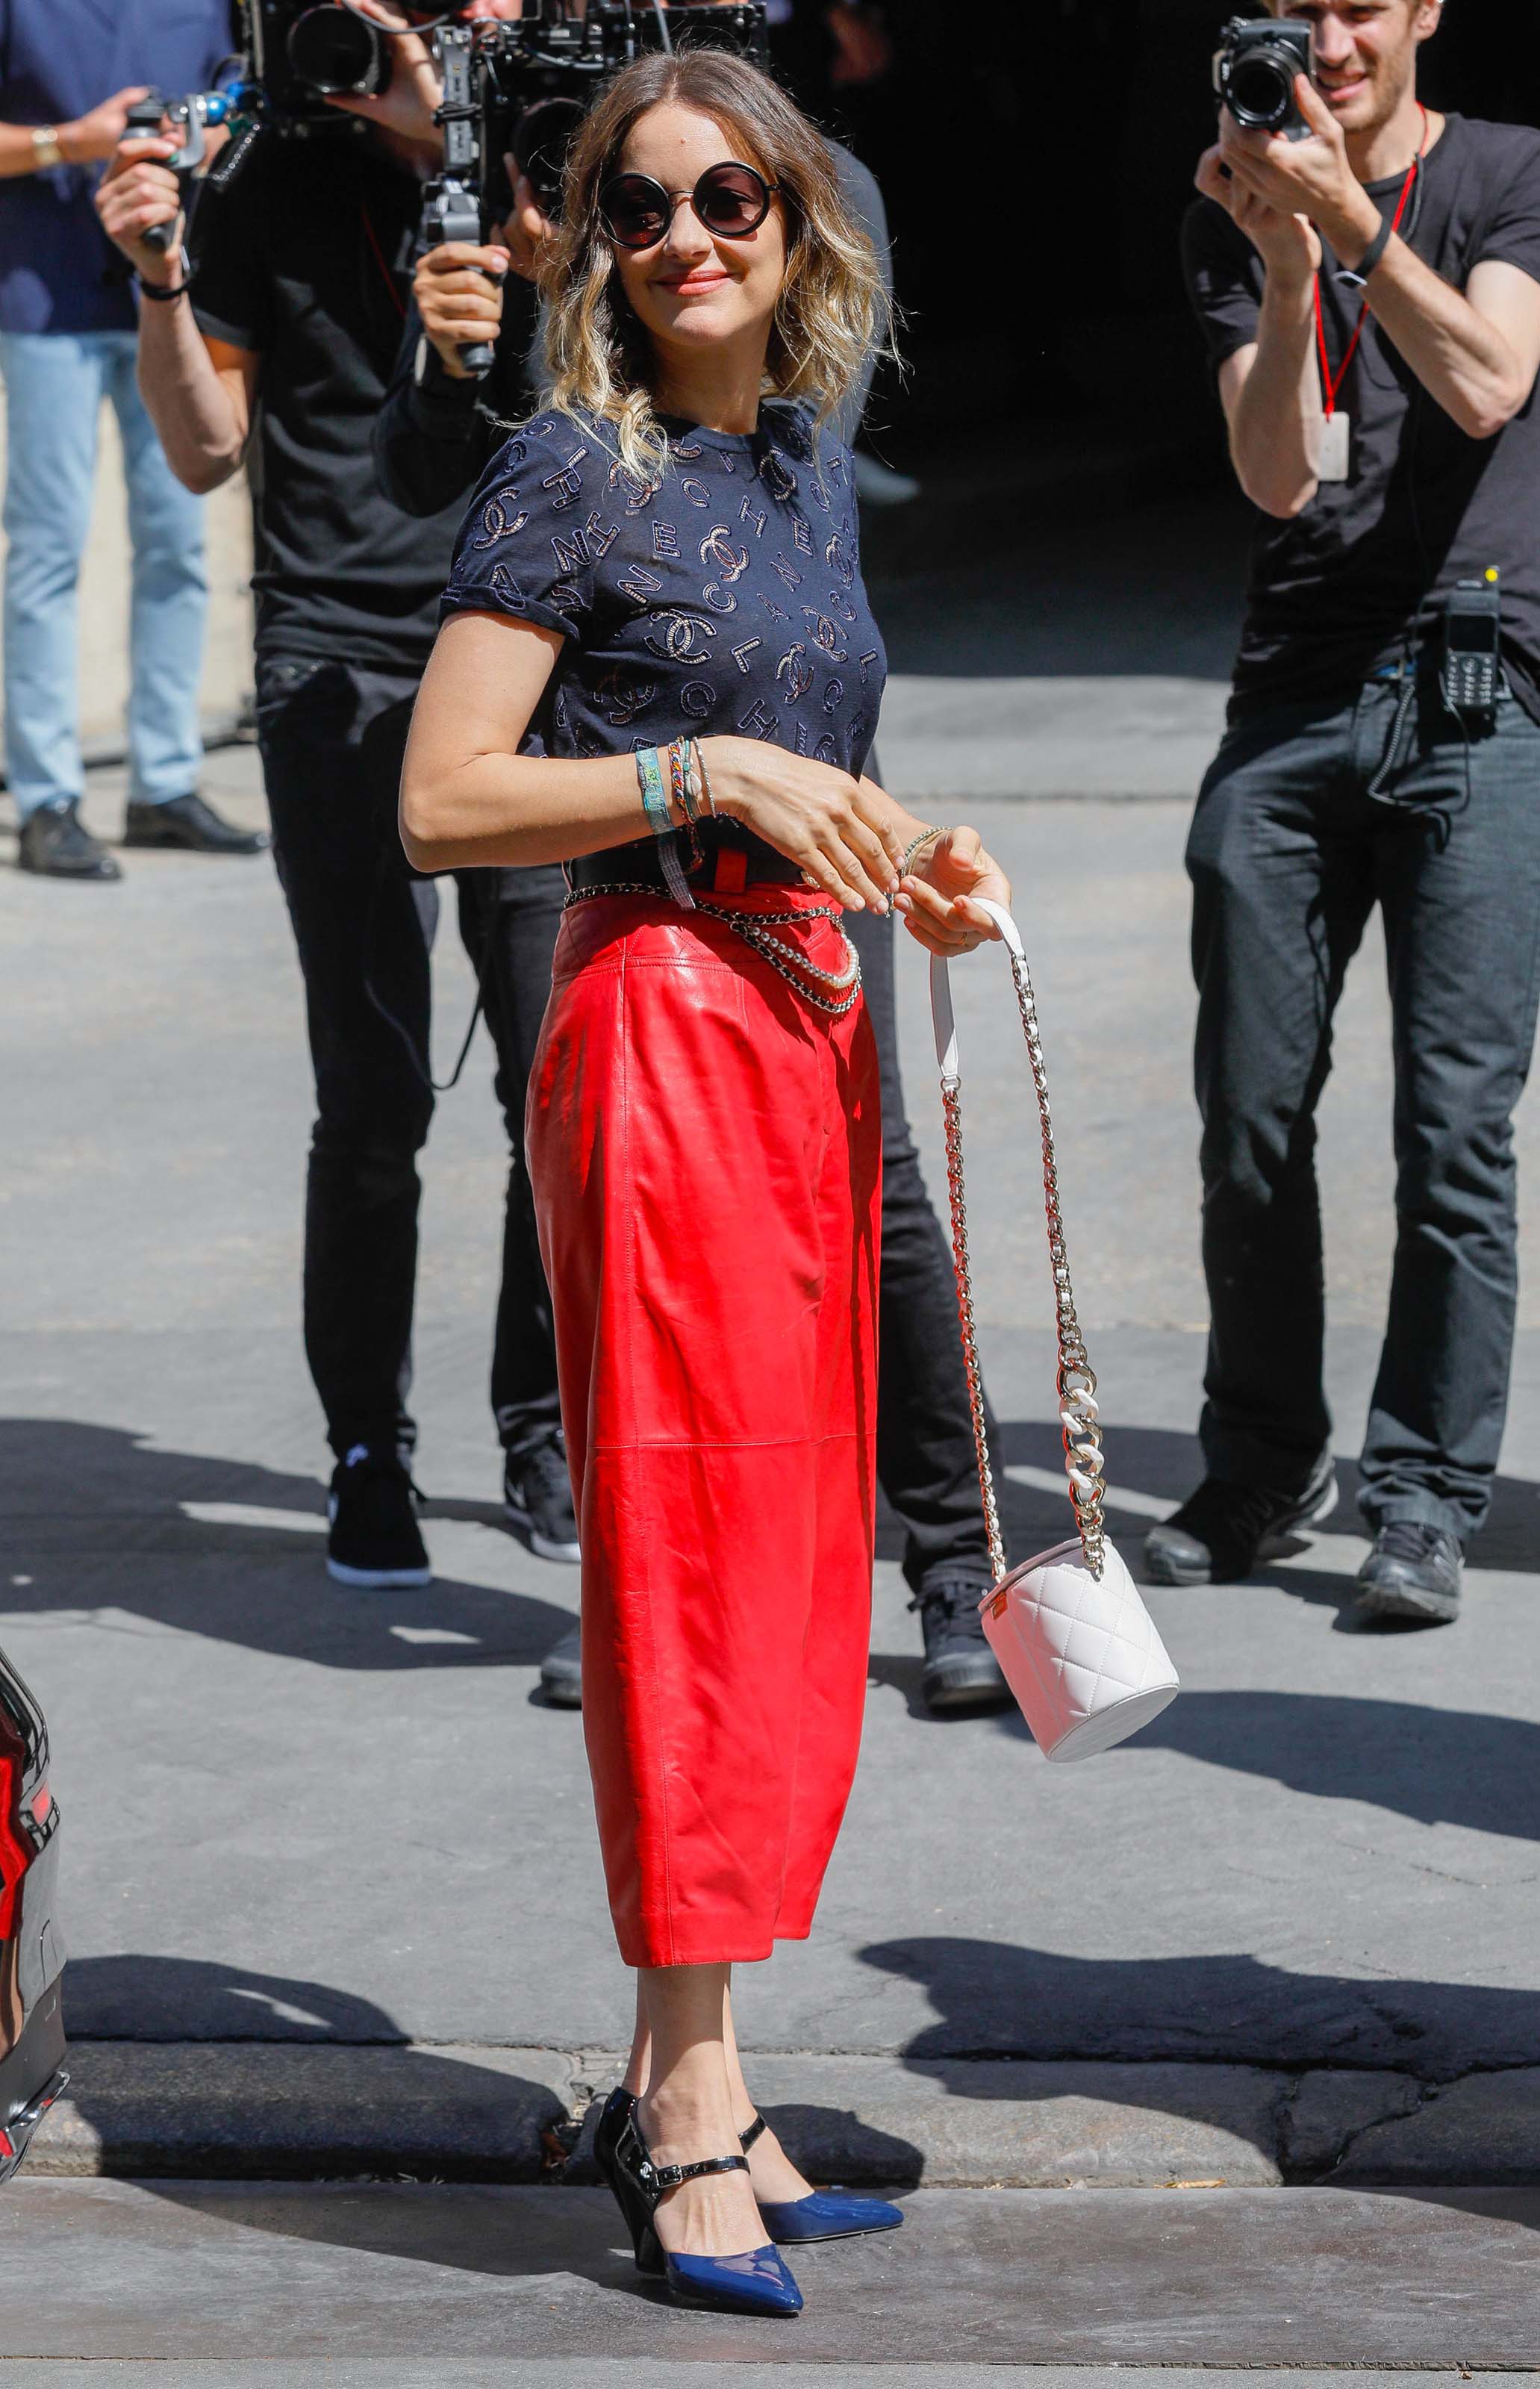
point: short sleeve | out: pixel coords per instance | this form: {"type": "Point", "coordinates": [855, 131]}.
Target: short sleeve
{"type": "Point", "coordinates": [1224, 280]}
{"type": "Point", "coordinates": [231, 284]}
{"type": "Point", "coordinates": [534, 531]}
{"type": "Point", "coordinates": [1511, 233]}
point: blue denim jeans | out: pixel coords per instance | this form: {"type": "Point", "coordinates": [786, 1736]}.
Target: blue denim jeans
{"type": "Point", "coordinates": [54, 385]}
{"type": "Point", "coordinates": [1307, 820]}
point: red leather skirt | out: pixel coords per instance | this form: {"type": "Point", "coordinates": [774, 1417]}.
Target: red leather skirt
{"type": "Point", "coordinates": [704, 1149]}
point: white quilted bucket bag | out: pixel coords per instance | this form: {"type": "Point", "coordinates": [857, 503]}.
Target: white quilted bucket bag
{"type": "Point", "coordinates": [1076, 1644]}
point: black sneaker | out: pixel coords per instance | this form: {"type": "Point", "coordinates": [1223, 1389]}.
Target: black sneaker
{"type": "Point", "coordinates": [1413, 1573]}
{"type": "Point", "coordinates": [56, 844]}
{"type": "Point", "coordinates": [374, 1539]}
{"type": "Point", "coordinates": [191, 825]}
{"type": "Point", "coordinates": [537, 1500]}
{"type": "Point", "coordinates": [1219, 1535]}
{"type": "Point", "coordinates": [562, 1672]}
{"type": "Point", "coordinates": [961, 1670]}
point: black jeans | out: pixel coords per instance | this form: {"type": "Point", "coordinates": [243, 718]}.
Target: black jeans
{"type": "Point", "coordinates": [1289, 852]}
{"type": "Point", "coordinates": [332, 736]}
{"type": "Point", "coordinates": [925, 1458]}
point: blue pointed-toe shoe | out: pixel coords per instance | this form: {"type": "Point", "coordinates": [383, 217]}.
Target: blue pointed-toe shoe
{"type": "Point", "coordinates": [823, 2214]}
{"type": "Point", "coordinates": [757, 2282]}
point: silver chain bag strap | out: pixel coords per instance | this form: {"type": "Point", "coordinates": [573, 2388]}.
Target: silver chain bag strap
{"type": "Point", "coordinates": [1073, 1637]}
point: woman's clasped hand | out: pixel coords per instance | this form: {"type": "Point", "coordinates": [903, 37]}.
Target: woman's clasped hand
{"type": "Point", "coordinates": [855, 843]}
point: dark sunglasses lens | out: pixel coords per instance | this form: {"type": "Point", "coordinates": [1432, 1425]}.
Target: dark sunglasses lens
{"type": "Point", "coordinates": [732, 201]}
{"type": "Point", "coordinates": [635, 210]}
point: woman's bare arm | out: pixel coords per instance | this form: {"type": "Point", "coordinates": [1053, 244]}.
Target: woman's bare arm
{"type": "Point", "coordinates": [469, 797]}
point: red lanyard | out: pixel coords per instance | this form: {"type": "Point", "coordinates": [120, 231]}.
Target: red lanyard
{"type": "Point", "coordinates": [1329, 387]}
{"type": "Point", "coordinates": [389, 280]}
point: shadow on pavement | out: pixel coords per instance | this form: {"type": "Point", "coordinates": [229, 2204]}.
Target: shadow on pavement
{"type": "Point", "coordinates": [1441, 1767]}
{"type": "Point", "coordinates": [994, 1998]}
{"type": "Point", "coordinates": [140, 1997]}
{"type": "Point", "coordinates": [96, 1518]}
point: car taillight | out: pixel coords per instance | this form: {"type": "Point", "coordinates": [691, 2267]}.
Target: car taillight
{"type": "Point", "coordinates": [16, 1856]}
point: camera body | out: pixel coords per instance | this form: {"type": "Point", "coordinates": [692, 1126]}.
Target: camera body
{"type": "Point", "coordinates": [1254, 70]}
{"type": "Point", "coordinates": [537, 76]}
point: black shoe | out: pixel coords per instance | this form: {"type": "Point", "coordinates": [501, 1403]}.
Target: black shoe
{"type": "Point", "coordinates": [191, 825]}
{"type": "Point", "coordinates": [1412, 1574]}
{"type": "Point", "coordinates": [562, 1672]}
{"type": "Point", "coordinates": [374, 1539]}
{"type": "Point", "coordinates": [56, 844]}
{"type": "Point", "coordinates": [961, 1670]}
{"type": "Point", "coordinates": [1219, 1535]}
{"type": "Point", "coordinates": [537, 1500]}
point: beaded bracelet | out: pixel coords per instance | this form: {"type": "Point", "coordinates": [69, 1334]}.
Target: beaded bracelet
{"type": "Point", "coordinates": [678, 752]}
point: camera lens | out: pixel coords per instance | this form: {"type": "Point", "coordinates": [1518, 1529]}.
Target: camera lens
{"type": "Point", "coordinates": [1261, 89]}
{"type": "Point", "coordinates": [335, 52]}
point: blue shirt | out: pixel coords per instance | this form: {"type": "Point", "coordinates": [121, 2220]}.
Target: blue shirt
{"type": "Point", "coordinates": [725, 597]}
{"type": "Point", "coordinates": [59, 58]}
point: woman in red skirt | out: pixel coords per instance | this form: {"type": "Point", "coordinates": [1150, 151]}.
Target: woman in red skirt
{"type": "Point", "coordinates": [658, 664]}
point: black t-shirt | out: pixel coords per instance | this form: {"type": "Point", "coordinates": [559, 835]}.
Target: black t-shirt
{"type": "Point", "coordinates": [307, 258]}
{"type": "Point", "coordinates": [1333, 592]}
{"type": "Point", "coordinates": [725, 597]}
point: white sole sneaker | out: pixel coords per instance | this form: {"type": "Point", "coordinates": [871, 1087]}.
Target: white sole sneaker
{"type": "Point", "coordinates": [378, 1579]}
{"type": "Point", "coordinates": [373, 1580]}
{"type": "Point", "coordinates": [541, 1545]}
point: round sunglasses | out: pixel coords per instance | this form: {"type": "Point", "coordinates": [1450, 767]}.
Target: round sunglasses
{"type": "Point", "coordinates": [731, 202]}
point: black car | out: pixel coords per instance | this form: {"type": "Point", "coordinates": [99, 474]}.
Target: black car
{"type": "Point", "coordinates": [32, 1952]}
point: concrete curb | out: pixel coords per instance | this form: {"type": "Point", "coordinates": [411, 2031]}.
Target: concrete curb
{"type": "Point", "coordinates": [309, 2111]}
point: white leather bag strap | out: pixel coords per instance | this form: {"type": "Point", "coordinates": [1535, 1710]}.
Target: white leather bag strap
{"type": "Point", "coordinates": [1076, 1381]}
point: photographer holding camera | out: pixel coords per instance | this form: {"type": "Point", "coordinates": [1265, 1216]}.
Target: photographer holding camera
{"type": "Point", "coordinates": [67, 81]}
{"type": "Point", "coordinates": [282, 335]}
{"type": "Point", "coordinates": [1367, 274]}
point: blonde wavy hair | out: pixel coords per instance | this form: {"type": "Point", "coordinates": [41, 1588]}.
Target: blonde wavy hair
{"type": "Point", "coordinates": [832, 313]}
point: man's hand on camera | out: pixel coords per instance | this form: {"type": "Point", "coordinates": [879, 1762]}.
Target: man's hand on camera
{"type": "Point", "coordinates": [96, 134]}
{"type": "Point", "coordinates": [1310, 177]}
{"type": "Point", "coordinates": [407, 104]}
{"type": "Point", "coordinates": [1286, 243]}
{"type": "Point", "coordinates": [528, 227]}
{"type": "Point", "coordinates": [138, 190]}
{"type": "Point", "coordinates": [459, 292]}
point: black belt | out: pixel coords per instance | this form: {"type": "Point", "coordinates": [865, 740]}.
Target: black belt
{"type": "Point", "coordinates": [728, 868]}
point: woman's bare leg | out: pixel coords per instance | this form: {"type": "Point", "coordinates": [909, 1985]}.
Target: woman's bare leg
{"type": "Point", "coordinates": [686, 2113]}
{"type": "Point", "coordinates": [638, 2064]}
{"type": "Point", "coordinates": [775, 2178]}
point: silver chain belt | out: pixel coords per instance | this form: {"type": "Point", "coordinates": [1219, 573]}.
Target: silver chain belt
{"type": "Point", "coordinates": [832, 992]}
{"type": "Point", "coordinates": [1076, 1380]}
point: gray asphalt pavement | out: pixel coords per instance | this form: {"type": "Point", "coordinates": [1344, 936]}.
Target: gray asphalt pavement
{"type": "Point", "coordinates": [178, 2273]}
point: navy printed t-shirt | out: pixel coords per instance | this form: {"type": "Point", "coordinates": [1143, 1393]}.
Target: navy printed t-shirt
{"type": "Point", "coordinates": [724, 599]}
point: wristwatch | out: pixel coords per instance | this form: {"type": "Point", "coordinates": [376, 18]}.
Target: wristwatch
{"type": "Point", "coordinates": [45, 149]}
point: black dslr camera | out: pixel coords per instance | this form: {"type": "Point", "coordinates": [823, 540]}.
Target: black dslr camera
{"type": "Point", "coordinates": [537, 76]}
{"type": "Point", "coordinates": [1254, 70]}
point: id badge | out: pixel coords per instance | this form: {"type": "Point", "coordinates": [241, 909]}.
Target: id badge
{"type": "Point", "coordinates": [1336, 448]}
